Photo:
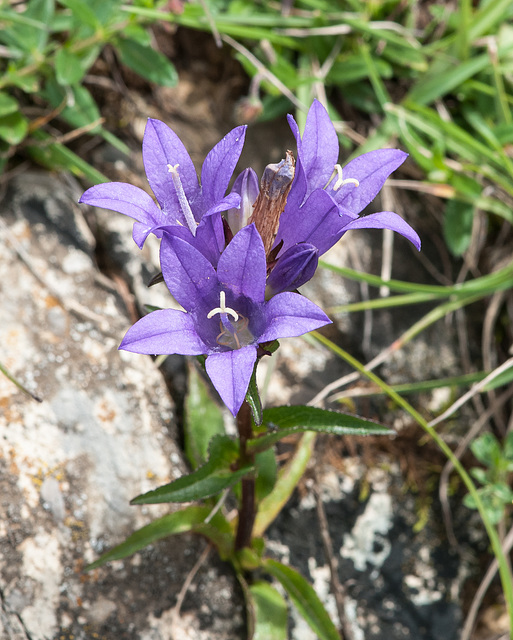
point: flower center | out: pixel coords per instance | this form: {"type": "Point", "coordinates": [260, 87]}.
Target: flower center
{"type": "Point", "coordinates": [340, 182]}
{"type": "Point", "coordinates": [223, 309]}
{"type": "Point", "coordinates": [234, 326]}
{"type": "Point", "coordinates": [182, 198]}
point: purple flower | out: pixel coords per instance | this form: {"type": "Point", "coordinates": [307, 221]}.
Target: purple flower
{"type": "Point", "coordinates": [226, 315]}
{"type": "Point", "coordinates": [325, 200]}
{"type": "Point", "coordinates": [184, 206]}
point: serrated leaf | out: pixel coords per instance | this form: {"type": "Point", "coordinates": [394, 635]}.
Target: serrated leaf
{"type": "Point", "coordinates": [8, 104]}
{"type": "Point", "coordinates": [68, 67]}
{"type": "Point", "coordinates": [457, 226]}
{"type": "Point", "coordinates": [13, 128]}
{"type": "Point", "coordinates": [210, 479]}
{"type": "Point", "coordinates": [146, 62]}
{"type": "Point", "coordinates": [297, 419]}
{"type": "Point", "coordinates": [202, 421]}
{"type": "Point", "coordinates": [190, 519]}
{"type": "Point", "coordinates": [304, 598]}
{"type": "Point", "coordinates": [270, 611]}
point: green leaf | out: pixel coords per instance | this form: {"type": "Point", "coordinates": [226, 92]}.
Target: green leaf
{"type": "Point", "coordinates": [210, 479]}
{"type": "Point", "coordinates": [446, 77]}
{"type": "Point", "coordinates": [55, 155]}
{"type": "Point", "coordinates": [80, 110]}
{"type": "Point", "coordinates": [288, 477]}
{"type": "Point", "coordinates": [296, 419]}
{"type": "Point", "coordinates": [304, 598]}
{"type": "Point", "coordinates": [68, 67]}
{"type": "Point", "coordinates": [457, 226]}
{"type": "Point", "coordinates": [8, 104]}
{"type": "Point", "coordinates": [203, 419]}
{"type": "Point", "coordinates": [487, 449]}
{"type": "Point", "coordinates": [253, 399]}
{"type": "Point", "coordinates": [270, 612]}
{"type": "Point", "coordinates": [267, 469]}
{"type": "Point", "coordinates": [82, 13]}
{"type": "Point", "coordinates": [188, 519]}
{"type": "Point", "coordinates": [148, 63]}
{"type": "Point", "coordinates": [13, 128]}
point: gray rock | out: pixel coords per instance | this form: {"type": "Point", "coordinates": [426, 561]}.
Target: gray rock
{"type": "Point", "coordinates": [103, 433]}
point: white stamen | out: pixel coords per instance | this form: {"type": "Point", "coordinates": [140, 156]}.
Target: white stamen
{"type": "Point", "coordinates": [222, 308]}
{"type": "Point", "coordinates": [341, 181]}
{"type": "Point", "coordinates": [182, 198]}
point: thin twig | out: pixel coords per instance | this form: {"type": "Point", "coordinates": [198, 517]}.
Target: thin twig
{"type": "Point", "coordinates": [472, 392]}
{"type": "Point", "coordinates": [188, 580]}
{"type": "Point", "coordinates": [462, 447]}
{"type": "Point", "coordinates": [337, 587]}
{"type": "Point", "coordinates": [265, 72]}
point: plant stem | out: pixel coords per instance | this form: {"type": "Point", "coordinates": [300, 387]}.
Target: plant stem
{"type": "Point", "coordinates": [247, 505]}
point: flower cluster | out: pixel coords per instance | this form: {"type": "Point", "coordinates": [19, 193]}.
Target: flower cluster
{"type": "Point", "coordinates": [234, 261]}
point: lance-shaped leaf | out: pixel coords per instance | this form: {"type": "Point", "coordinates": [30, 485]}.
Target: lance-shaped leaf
{"type": "Point", "coordinates": [296, 419]}
{"type": "Point", "coordinates": [304, 598]}
{"type": "Point", "coordinates": [190, 519]}
{"type": "Point", "coordinates": [210, 479]}
{"type": "Point", "coordinates": [269, 611]}
{"type": "Point", "coordinates": [203, 419]}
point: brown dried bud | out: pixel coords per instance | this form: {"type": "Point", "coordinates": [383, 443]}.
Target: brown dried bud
{"type": "Point", "coordinates": [270, 203]}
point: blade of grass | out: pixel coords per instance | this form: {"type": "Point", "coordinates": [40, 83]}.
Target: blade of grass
{"type": "Point", "coordinates": [504, 569]}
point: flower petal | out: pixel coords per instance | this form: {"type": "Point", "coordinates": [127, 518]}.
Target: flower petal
{"type": "Point", "coordinates": [126, 199]}
{"type": "Point", "coordinates": [295, 267]}
{"type": "Point", "coordinates": [162, 147]}
{"type": "Point", "coordinates": [320, 146]}
{"type": "Point", "coordinates": [164, 331]}
{"type": "Point", "coordinates": [219, 166]}
{"type": "Point", "coordinates": [230, 373]}
{"type": "Point", "coordinates": [246, 186]}
{"type": "Point", "coordinates": [371, 170]}
{"type": "Point", "coordinates": [242, 264]}
{"type": "Point", "coordinates": [316, 222]}
{"type": "Point", "coordinates": [189, 276]}
{"type": "Point", "coordinates": [386, 220]}
{"type": "Point", "coordinates": [290, 314]}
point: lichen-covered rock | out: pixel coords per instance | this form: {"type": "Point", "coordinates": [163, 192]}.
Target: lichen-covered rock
{"type": "Point", "coordinates": [103, 433]}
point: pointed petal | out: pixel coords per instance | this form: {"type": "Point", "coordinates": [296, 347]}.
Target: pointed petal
{"type": "Point", "coordinates": [242, 265]}
{"type": "Point", "coordinates": [290, 314]}
{"type": "Point", "coordinates": [189, 276]}
{"type": "Point", "coordinates": [246, 186]}
{"type": "Point", "coordinates": [164, 331]}
{"type": "Point", "coordinates": [295, 267]}
{"type": "Point", "coordinates": [315, 222]}
{"type": "Point", "coordinates": [210, 238]}
{"type": "Point", "coordinates": [371, 170]}
{"type": "Point", "coordinates": [320, 147]}
{"type": "Point", "coordinates": [228, 202]}
{"type": "Point", "coordinates": [161, 147]}
{"type": "Point", "coordinates": [126, 199]}
{"type": "Point", "coordinates": [386, 220]}
{"type": "Point", "coordinates": [230, 373]}
{"type": "Point", "coordinates": [219, 166]}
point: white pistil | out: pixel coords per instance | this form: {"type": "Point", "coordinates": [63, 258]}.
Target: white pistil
{"type": "Point", "coordinates": [222, 308]}
{"type": "Point", "coordinates": [340, 181]}
{"type": "Point", "coordinates": [182, 198]}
